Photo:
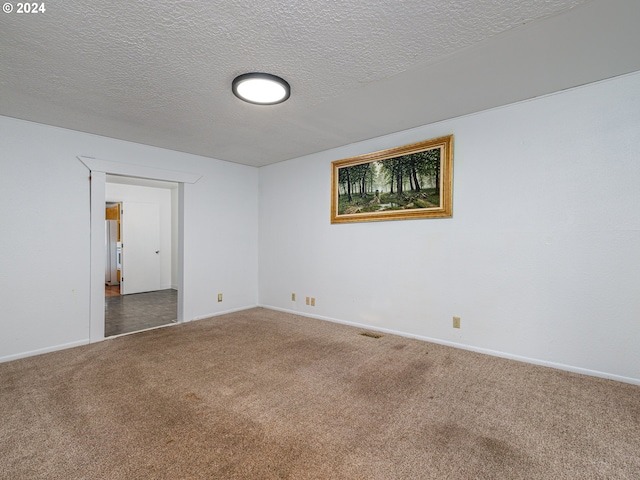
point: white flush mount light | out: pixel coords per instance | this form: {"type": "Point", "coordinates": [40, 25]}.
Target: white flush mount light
{"type": "Point", "coordinates": [261, 88]}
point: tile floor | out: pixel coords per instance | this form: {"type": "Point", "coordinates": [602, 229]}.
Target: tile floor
{"type": "Point", "coordinates": [138, 311]}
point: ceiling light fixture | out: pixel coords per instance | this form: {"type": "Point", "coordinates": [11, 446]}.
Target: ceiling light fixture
{"type": "Point", "coordinates": [261, 88]}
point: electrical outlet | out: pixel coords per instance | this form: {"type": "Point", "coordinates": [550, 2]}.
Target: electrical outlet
{"type": "Point", "coordinates": [219, 297]}
{"type": "Point", "coordinates": [456, 322]}
{"type": "Point", "coordinates": [308, 300]}
{"type": "Point", "coordinates": [293, 297]}
{"type": "Point", "coordinates": [313, 301]}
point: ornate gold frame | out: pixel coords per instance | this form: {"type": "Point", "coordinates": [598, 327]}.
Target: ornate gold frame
{"type": "Point", "coordinates": [417, 206]}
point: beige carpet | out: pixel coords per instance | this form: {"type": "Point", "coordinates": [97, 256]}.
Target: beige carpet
{"type": "Point", "coordinates": [265, 395]}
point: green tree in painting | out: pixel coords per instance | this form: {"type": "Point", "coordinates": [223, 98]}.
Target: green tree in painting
{"type": "Point", "coordinates": [412, 171]}
{"type": "Point", "coordinates": [391, 169]}
{"type": "Point", "coordinates": [432, 166]}
{"type": "Point", "coordinates": [355, 179]}
{"type": "Point", "coordinates": [344, 179]}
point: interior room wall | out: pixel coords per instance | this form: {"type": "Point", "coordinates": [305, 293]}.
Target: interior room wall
{"type": "Point", "coordinates": [45, 199]}
{"type": "Point", "coordinates": [541, 259]}
{"type": "Point", "coordinates": [117, 192]}
{"type": "Point", "coordinates": [174, 238]}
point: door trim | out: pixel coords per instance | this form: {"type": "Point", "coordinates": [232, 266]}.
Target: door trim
{"type": "Point", "coordinates": [139, 171]}
{"type": "Point", "coordinates": [99, 169]}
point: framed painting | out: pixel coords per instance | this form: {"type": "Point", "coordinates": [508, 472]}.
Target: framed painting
{"type": "Point", "coordinates": [412, 181]}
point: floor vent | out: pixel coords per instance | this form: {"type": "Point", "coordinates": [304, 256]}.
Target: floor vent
{"type": "Point", "coordinates": [371, 335]}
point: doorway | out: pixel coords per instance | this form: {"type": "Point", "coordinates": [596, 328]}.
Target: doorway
{"type": "Point", "coordinates": [141, 290]}
{"type": "Point", "coordinates": [99, 169]}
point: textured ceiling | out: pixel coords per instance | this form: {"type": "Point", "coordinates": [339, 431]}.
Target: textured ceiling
{"type": "Point", "coordinates": [159, 72]}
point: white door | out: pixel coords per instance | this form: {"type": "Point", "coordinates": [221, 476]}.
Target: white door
{"type": "Point", "coordinates": [140, 235]}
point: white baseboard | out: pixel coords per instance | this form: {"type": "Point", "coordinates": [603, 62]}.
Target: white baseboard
{"type": "Point", "coordinates": [486, 351]}
{"type": "Point", "coordinates": [40, 351]}
{"type": "Point", "coordinates": [216, 314]}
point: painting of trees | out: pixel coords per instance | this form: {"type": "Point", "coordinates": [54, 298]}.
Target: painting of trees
{"type": "Point", "coordinates": [414, 179]}
{"type": "Point", "coordinates": [354, 180]}
{"type": "Point", "coordinates": [414, 171]}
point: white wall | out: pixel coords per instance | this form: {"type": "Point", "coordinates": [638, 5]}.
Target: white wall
{"type": "Point", "coordinates": [174, 238]}
{"type": "Point", "coordinates": [541, 259]}
{"type": "Point", "coordinates": [44, 207]}
{"type": "Point", "coordinates": [117, 192]}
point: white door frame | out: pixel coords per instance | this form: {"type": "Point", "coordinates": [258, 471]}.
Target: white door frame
{"type": "Point", "coordinates": [99, 170]}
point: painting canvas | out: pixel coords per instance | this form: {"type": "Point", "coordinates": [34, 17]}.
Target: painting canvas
{"type": "Point", "coordinates": [412, 181]}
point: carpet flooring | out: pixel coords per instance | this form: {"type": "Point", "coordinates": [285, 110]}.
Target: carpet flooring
{"type": "Point", "coordinates": [260, 394]}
